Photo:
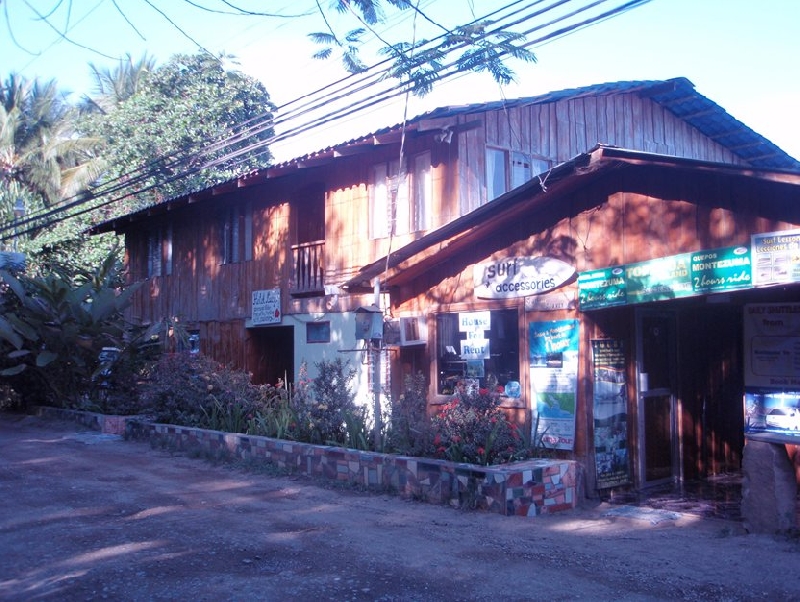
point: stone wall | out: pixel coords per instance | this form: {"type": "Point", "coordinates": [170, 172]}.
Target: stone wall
{"type": "Point", "coordinates": [528, 488]}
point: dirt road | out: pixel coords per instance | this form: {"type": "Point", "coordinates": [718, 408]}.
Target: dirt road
{"type": "Point", "coordinates": [92, 517]}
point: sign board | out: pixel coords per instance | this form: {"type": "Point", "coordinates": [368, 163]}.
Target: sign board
{"type": "Point", "coordinates": [520, 277]}
{"type": "Point", "coordinates": [772, 372]}
{"type": "Point", "coordinates": [776, 257]}
{"type": "Point", "coordinates": [553, 363]}
{"type": "Point", "coordinates": [610, 409]}
{"type": "Point", "coordinates": [266, 307]}
{"type": "Point", "coordinates": [673, 277]}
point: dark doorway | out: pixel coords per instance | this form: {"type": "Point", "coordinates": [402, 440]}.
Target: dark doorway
{"type": "Point", "coordinates": [656, 359]}
{"type": "Point", "coordinates": [271, 354]}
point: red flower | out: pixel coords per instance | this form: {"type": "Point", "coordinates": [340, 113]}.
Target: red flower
{"type": "Point", "coordinates": [437, 439]}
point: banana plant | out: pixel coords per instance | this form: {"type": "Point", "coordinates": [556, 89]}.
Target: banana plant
{"type": "Point", "coordinates": [55, 327]}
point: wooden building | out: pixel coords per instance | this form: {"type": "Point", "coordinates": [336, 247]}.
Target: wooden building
{"type": "Point", "coordinates": [268, 270]}
{"type": "Point", "coordinates": [640, 342]}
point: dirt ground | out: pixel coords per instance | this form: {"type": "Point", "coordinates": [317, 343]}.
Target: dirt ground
{"type": "Point", "coordinates": [88, 516]}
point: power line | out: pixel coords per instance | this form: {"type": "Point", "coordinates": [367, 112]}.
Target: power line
{"type": "Point", "coordinates": [179, 159]}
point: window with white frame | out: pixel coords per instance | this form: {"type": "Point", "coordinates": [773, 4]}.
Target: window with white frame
{"type": "Point", "coordinates": [505, 170]}
{"type": "Point", "coordinates": [401, 198]}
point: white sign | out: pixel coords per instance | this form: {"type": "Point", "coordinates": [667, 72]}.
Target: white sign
{"type": "Point", "coordinates": [266, 306]}
{"type": "Point", "coordinates": [474, 321]}
{"type": "Point", "coordinates": [775, 257]}
{"type": "Point", "coordinates": [520, 277]}
{"type": "Point", "coordinates": [772, 345]}
{"type": "Point", "coordinates": [475, 349]}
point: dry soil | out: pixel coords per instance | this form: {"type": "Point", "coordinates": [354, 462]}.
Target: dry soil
{"type": "Point", "coordinates": [93, 517]}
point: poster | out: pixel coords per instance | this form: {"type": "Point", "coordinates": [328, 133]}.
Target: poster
{"type": "Point", "coordinates": [610, 406]}
{"type": "Point", "coordinates": [553, 360]}
{"type": "Point", "coordinates": [772, 372]}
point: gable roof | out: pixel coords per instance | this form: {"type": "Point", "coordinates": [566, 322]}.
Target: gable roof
{"type": "Point", "coordinates": [677, 95]}
{"type": "Point", "coordinates": [517, 206]}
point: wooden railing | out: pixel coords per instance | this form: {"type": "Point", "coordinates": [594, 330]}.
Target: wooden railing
{"type": "Point", "coordinates": [309, 268]}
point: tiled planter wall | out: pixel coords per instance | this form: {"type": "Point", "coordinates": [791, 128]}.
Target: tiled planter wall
{"type": "Point", "coordinates": [525, 488]}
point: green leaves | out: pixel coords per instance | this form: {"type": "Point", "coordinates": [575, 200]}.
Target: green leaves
{"type": "Point", "coordinates": [55, 326]}
{"type": "Point", "coordinates": [175, 132]}
{"type": "Point", "coordinates": [482, 46]}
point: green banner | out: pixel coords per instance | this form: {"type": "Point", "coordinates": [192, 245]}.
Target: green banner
{"type": "Point", "coordinates": [674, 277]}
{"type": "Point", "coordinates": [602, 288]}
{"type": "Point", "coordinates": [721, 270]}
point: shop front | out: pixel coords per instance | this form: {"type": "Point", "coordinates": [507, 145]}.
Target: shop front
{"type": "Point", "coordinates": [608, 309]}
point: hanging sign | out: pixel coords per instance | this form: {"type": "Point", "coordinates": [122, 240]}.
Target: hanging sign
{"type": "Point", "coordinates": [266, 306]}
{"type": "Point", "coordinates": [520, 277]}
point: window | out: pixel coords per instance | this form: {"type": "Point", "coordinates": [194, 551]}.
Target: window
{"type": "Point", "coordinates": [318, 332]}
{"type": "Point", "coordinates": [402, 199]}
{"type": "Point", "coordinates": [505, 170]}
{"type": "Point", "coordinates": [496, 178]}
{"type": "Point", "coordinates": [480, 347]}
{"type": "Point", "coordinates": [159, 252]}
{"type": "Point", "coordinates": [237, 234]}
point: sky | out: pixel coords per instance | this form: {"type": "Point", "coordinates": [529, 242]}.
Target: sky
{"type": "Point", "coordinates": [741, 54]}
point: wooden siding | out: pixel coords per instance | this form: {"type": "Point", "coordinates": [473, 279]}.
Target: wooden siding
{"type": "Point", "coordinates": [559, 131]}
{"type": "Point", "coordinates": [204, 292]}
{"type": "Point", "coordinates": [637, 217]}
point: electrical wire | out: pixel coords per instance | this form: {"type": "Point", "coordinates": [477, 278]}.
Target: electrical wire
{"type": "Point", "coordinates": [174, 161]}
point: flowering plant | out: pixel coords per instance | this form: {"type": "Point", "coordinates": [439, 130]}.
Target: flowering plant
{"type": "Point", "coordinates": [472, 428]}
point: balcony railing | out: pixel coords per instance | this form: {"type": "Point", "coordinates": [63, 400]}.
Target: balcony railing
{"type": "Point", "coordinates": [309, 268]}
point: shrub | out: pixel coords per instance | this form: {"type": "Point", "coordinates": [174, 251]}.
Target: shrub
{"type": "Point", "coordinates": [194, 390]}
{"type": "Point", "coordinates": [410, 425]}
{"type": "Point", "coordinates": [323, 403]}
{"type": "Point", "coordinates": [53, 327]}
{"type": "Point", "coordinates": [472, 428]}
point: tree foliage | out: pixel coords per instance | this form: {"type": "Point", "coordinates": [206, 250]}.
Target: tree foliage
{"type": "Point", "coordinates": [475, 46]}
{"type": "Point", "coordinates": [52, 328]}
{"type": "Point", "coordinates": [189, 124]}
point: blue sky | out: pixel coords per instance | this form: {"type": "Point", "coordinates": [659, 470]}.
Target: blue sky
{"type": "Point", "coordinates": [741, 54]}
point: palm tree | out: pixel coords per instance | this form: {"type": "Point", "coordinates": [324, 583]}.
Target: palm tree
{"type": "Point", "coordinates": [114, 86]}
{"type": "Point", "coordinates": [42, 160]}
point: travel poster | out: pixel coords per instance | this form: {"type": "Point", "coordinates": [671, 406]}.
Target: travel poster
{"type": "Point", "coordinates": [772, 371]}
{"type": "Point", "coordinates": [610, 413]}
{"type": "Point", "coordinates": [553, 359]}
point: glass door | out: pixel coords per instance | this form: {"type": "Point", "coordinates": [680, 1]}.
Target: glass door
{"type": "Point", "coordinates": [656, 358]}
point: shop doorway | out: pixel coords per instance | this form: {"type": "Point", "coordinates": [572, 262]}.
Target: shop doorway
{"type": "Point", "coordinates": [656, 356]}
{"type": "Point", "coordinates": [271, 354]}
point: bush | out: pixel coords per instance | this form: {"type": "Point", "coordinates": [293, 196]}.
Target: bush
{"type": "Point", "coordinates": [410, 425]}
{"type": "Point", "coordinates": [194, 390]}
{"type": "Point", "coordinates": [472, 428]}
{"type": "Point", "coordinates": [324, 404]}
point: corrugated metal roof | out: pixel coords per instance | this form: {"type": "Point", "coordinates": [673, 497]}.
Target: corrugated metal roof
{"type": "Point", "coordinates": [677, 95]}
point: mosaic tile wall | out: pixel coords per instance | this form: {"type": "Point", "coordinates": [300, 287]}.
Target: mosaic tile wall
{"type": "Point", "coordinates": [527, 488]}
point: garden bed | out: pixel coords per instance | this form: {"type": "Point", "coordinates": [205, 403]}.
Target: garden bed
{"type": "Point", "coordinates": [527, 488]}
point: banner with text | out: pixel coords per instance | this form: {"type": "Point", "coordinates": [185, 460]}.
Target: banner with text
{"type": "Point", "coordinates": [553, 359]}
{"type": "Point", "coordinates": [610, 409]}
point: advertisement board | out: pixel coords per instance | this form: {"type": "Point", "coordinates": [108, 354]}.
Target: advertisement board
{"type": "Point", "coordinates": [772, 371]}
{"type": "Point", "coordinates": [553, 360]}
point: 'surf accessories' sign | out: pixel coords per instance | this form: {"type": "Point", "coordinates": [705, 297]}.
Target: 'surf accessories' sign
{"type": "Point", "coordinates": [520, 277]}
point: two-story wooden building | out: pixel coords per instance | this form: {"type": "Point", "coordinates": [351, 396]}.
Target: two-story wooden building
{"type": "Point", "coordinates": [277, 267]}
